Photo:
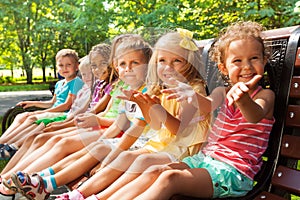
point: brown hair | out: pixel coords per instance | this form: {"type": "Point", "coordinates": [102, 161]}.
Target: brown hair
{"type": "Point", "coordinates": [67, 53]}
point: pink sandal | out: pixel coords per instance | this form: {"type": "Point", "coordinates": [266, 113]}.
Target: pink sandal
{"type": "Point", "coordinates": [74, 195]}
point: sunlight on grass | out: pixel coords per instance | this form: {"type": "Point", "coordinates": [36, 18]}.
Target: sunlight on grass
{"type": "Point", "coordinates": [26, 87]}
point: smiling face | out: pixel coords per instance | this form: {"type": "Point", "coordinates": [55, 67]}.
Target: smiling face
{"type": "Point", "coordinates": [67, 67]}
{"type": "Point", "coordinates": [243, 60]}
{"type": "Point", "coordinates": [170, 65]}
{"type": "Point", "coordinates": [132, 68]}
{"type": "Point", "coordinates": [99, 66]}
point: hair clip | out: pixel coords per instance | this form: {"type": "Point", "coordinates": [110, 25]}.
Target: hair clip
{"type": "Point", "coordinates": [187, 39]}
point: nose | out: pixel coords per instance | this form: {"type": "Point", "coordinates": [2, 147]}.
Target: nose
{"type": "Point", "coordinates": [247, 64]}
{"type": "Point", "coordinates": [128, 68]}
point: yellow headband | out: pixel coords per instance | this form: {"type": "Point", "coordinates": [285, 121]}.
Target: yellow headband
{"type": "Point", "coordinates": [187, 39]}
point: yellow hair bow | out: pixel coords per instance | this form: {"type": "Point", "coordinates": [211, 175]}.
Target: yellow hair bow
{"type": "Point", "coordinates": [187, 39]}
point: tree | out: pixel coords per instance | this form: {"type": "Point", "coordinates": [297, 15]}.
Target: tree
{"type": "Point", "coordinates": [32, 31]}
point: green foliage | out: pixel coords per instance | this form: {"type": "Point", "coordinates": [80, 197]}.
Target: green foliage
{"type": "Point", "coordinates": [32, 31]}
{"type": "Point", "coordinates": [6, 79]}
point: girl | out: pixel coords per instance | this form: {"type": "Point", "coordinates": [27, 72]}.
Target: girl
{"type": "Point", "coordinates": [225, 167]}
{"type": "Point", "coordinates": [65, 93]}
{"type": "Point", "coordinates": [181, 128]}
{"type": "Point", "coordinates": [31, 153]}
{"type": "Point", "coordinates": [134, 55]}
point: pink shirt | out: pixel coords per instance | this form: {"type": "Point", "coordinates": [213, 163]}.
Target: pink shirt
{"type": "Point", "coordinates": [237, 142]}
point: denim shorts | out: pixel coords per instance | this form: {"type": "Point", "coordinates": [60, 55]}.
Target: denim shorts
{"type": "Point", "coordinates": [226, 180]}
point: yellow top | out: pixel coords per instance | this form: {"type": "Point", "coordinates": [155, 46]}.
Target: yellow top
{"type": "Point", "coordinates": [186, 143]}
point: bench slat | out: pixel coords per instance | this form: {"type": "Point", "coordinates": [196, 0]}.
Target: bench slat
{"type": "Point", "coordinates": [268, 196]}
{"type": "Point", "coordinates": [287, 179]}
{"type": "Point", "coordinates": [295, 87]}
{"type": "Point", "coordinates": [290, 147]}
{"type": "Point", "coordinates": [293, 116]}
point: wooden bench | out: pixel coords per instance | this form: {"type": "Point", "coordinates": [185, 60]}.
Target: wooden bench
{"type": "Point", "coordinates": [286, 177]}
{"type": "Point", "coordinates": [278, 175]}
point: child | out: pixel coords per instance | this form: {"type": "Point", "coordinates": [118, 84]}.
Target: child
{"type": "Point", "coordinates": [226, 166]}
{"type": "Point", "coordinates": [133, 57]}
{"type": "Point", "coordinates": [98, 57]}
{"type": "Point", "coordinates": [65, 93]}
{"type": "Point", "coordinates": [26, 155]}
{"type": "Point", "coordinates": [178, 136]}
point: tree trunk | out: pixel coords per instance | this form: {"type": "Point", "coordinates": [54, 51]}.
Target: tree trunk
{"type": "Point", "coordinates": [44, 73]}
{"type": "Point", "coordinates": [29, 75]}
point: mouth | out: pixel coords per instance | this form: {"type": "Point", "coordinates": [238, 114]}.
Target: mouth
{"type": "Point", "coordinates": [247, 75]}
{"type": "Point", "coordinates": [168, 75]}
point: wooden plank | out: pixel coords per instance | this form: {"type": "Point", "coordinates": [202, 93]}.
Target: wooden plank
{"type": "Point", "coordinates": [293, 116]}
{"type": "Point", "coordinates": [287, 179]}
{"type": "Point", "coordinates": [295, 87]}
{"type": "Point", "coordinates": [268, 196]}
{"type": "Point", "coordinates": [290, 147]}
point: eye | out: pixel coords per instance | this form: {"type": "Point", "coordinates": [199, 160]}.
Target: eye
{"type": "Point", "coordinates": [254, 58]}
{"type": "Point", "coordinates": [122, 64]}
{"type": "Point", "coordinates": [161, 60]}
{"type": "Point", "coordinates": [136, 62]}
{"type": "Point", "coordinates": [237, 60]}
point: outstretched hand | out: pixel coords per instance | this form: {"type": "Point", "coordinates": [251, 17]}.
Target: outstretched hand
{"type": "Point", "coordinates": [180, 92]}
{"type": "Point", "coordinates": [238, 90]}
{"type": "Point", "coordinates": [138, 97]}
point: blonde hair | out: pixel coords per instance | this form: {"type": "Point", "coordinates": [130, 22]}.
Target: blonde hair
{"type": "Point", "coordinates": [129, 42]}
{"type": "Point", "coordinates": [237, 31]}
{"type": "Point", "coordinates": [192, 71]}
{"type": "Point", "coordinates": [67, 53]}
{"type": "Point", "coordinates": [84, 63]}
{"type": "Point", "coordinates": [134, 44]}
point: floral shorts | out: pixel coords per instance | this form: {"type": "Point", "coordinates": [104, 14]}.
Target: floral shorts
{"type": "Point", "coordinates": [227, 181]}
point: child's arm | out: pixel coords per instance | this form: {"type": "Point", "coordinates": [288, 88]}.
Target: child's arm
{"type": "Point", "coordinates": [64, 106]}
{"type": "Point", "coordinates": [39, 104]}
{"type": "Point", "coordinates": [253, 110]}
{"type": "Point", "coordinates": [146, 104]}
{"type": "Point", "coordinates": [102, 104]}
{"type": "Point", "coordinates": [58, 125]}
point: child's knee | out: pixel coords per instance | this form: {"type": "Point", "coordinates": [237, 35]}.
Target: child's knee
{"type": "Point", "coordinates": [125, 155]}
{"type": "Point", "coordinates": [100, 149]}
{"type": "Point", "coordinates": [143, 160]}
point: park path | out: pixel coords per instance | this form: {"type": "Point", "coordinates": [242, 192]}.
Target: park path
{"type": "Point", "coordinates": [9, 99]}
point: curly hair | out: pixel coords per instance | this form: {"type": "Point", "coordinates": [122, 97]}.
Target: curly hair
{"type": "Point", "coordinates": [237, 31]}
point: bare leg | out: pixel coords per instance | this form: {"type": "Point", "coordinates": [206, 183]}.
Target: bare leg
{"type": "Point", "coordinates": [35, 151]}
{"type": "Point", "coordinates": [62, 149]}
{"type": "Point", "coordinates": [83, 164]}
{"type": "Point", "coordinates": [20, 118]}
{"type": "Point", "coordinates": [17, 128]}
{"type": "Point", "coordinates": [140, 164]}
{"type": "Point", "coordinates": [33, 129]}
{"type": "Point", "coordinates": [162, 182]}
{"type": "Point", "coordinates": [110, 173]}
{"type": "Point", "coordinates": [18, 156]}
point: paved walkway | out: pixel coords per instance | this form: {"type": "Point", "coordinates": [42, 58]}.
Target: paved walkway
{"type": "Point", "coordinates": [9, 99]}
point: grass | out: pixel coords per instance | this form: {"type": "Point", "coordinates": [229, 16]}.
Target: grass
{"type": "Point", "coordinates": [24, 87]}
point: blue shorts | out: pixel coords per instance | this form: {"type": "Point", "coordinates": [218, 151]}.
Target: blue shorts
{"type": "Point", "coordinates": [226, 180]}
